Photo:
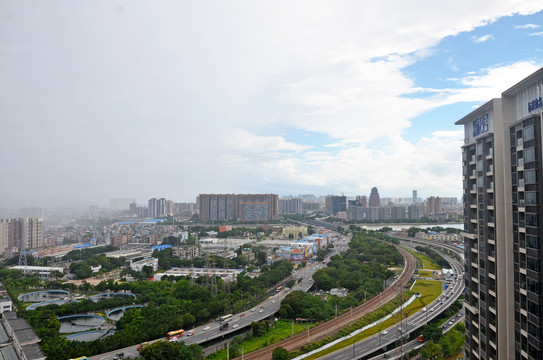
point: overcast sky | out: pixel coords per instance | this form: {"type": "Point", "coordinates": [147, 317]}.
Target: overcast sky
{"type": "Point", "coordinates": [141, 99]}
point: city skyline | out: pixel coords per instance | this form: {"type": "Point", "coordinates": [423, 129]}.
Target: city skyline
{"type": "Point", "coordinates": [135, 100]}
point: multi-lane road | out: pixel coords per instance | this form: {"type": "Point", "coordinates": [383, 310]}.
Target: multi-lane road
{"type": "Point", "coordinates": [385, 337]}
{"type": "Point", "coordinates": [242, 320]}
{"type": "Point", "coordinates": [272, 305]}
{"type": "Point", "coordinates": [333, 326]}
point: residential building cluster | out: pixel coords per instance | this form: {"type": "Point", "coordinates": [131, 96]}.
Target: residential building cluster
{"type": "Point", "coordinates": [20, 234]}
{"type": "Point", "coordinates": [238, 207]}
{"type": "Point", "coordinates": [305, 248]}
{"type": "Point", "coordinates": [502, 180]}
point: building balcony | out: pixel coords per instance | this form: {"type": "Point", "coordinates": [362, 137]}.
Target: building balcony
{"type": "Point", "coordinates": [492, 310]}
{"type": "Point", "coordinates": [522, 250]}
{"type": "Point", "coordinates": [492, 293]}
{"type": "Point", "coordinates": [471, 308]}
{"type": "Point", "coordinates": [474, 279]}
{"type": "Point", "coordinates": [522, 271]}
{"type": "Point", "coordinates": [490, 325]}
{"type": "Point", "coordinates": [474, 265]}
{"type": "Point", "coordinates": [492, 345]}
{"type": "Point", "coordinates": [492, 276]}
{"type": "Point", "coordinates": [468, 235]}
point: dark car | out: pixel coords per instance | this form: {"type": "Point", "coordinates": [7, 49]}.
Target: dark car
{"type": "Point", "coordinates": [118, 356]}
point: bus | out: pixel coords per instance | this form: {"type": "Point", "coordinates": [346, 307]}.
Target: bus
{"type": "Point", "coordinates": [225, 318]}
{"type": "Point", "coordinates": [174, 334]}
{"type": "Point", "coordinates": [80, 358]}
{"type": "Point", "coordinates": [142, 345]}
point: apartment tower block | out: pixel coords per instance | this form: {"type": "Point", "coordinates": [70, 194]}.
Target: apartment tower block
{"type": "Point", "coordinates": [502, 186]}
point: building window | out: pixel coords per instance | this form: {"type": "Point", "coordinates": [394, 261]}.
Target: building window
{"type": "Point", "coordinates": [529, 155]}
{"type": "Point", "coordinates": [533, 242]}
{"type": "Point", "coordinates": [528, 133]}
{"type": "Point", "coordinates": [530, 177]}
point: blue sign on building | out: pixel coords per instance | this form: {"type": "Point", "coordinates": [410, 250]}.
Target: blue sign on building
{"type": "Point", "coordinates": [480, 125]}
{"type": "Point", "coordinates": [535, 104]}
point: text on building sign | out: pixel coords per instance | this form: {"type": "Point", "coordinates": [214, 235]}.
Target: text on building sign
{"type": "Point", "coordinates": [535, 104]}
{"type": "Point", "coordinates": [480, 125]}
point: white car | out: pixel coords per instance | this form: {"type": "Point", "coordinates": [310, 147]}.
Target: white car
{"type": "Point", "coordinates": [451, 322]}
{"type": "Point", "coordinates": [260, 311]}
{"type": "Point", "coordinates": [207, 328]}
{"type": "Point", "coordinates": [424, 309]}
{"type": "Point", "coordinates": [173, 339]}
{"type": "Point", "coordinates": [235, 326]}
{"type": "Point", "coordinates": [252, 310]}
{"type": "Point", "coordinates": [384, 332]}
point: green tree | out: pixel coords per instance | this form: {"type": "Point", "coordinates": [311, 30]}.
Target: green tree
{"type": "Point", "coordinates": [451, 342]}
{"type": "Point", "coordinates": [432, 332]}
{"type": "Point", "coordinates": [280, 353]}
{"type": "Point", "coordinates": [160, 350]}
{"type": "Point", "coordinates": [431, 350]}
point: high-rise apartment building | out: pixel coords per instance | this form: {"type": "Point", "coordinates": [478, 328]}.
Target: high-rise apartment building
{"type": "Point", "coordinates": [375, 200]}
{"type": "Point", "coordinates": [248, 207]}
{"type": "Point", "coordinates": [414, 200]}
{"type": "Point", "coordinates": [334, 204]}
{"type": "Point", "coordinates": [502, 167]}
{"type": "Point", "coordinates": [21, 233]}
{"type": "Point", "coordinates": [157, 207]}
{"type": "Point", "coordinates": [434, 205]}
{"type": "Point", "coordinates": [362, 200]}
{"type": "Point", "coordinates": [291, 206]}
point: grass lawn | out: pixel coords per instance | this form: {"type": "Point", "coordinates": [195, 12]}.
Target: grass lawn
{"type": "Point", "coordinates": [427, 263]}
{"type": "Point", "coordinates": [429, 290]}
{"type": "Point", "coordinates": [426, 274]}
{"type": "Point", "coordinates": [282, 329]}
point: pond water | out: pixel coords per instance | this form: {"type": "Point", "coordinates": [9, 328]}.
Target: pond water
{"type": "Point", "coordinates": [78, 323]}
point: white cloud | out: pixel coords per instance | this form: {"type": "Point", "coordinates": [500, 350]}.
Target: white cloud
{"type": "Point", "coordinates": [483, 38]}
{"type": "Point", "coordinates": [183, 98]}
{"type": "Point", "coordinates": [540, 33]}
{"type": "Point", "coordinates": [527, 26]}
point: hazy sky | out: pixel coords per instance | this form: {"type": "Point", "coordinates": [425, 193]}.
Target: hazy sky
{"type": "Point", "coordinates": [140, 99]}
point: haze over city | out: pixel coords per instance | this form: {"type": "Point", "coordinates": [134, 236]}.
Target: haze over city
{"type": "Point", "coordinates": [140, 99]}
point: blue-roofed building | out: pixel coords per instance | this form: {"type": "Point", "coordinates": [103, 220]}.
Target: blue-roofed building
{"type": "Point", "coordinates": [160, 247]}
{"type": "Point", "coordinates": [82, 246]}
